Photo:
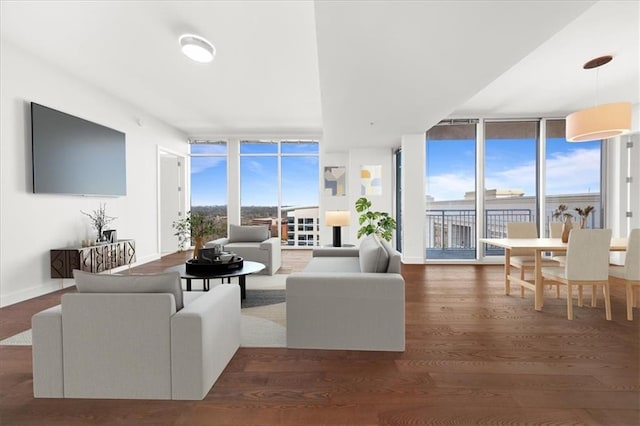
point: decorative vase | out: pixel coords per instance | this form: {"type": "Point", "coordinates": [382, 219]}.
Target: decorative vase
{"type": "Point", "coordinates": [198, 246]}
{"type": "Point", "coordinates": [566, 228]}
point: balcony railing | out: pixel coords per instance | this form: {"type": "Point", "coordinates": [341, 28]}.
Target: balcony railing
{"type": "Point", "coordinates": [451, 233]}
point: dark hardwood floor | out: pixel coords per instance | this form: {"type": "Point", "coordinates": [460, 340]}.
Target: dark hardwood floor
{"type": "Point", "coordinates": [473, 356]}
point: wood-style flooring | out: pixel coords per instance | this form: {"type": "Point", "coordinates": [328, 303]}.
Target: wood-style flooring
{"type": "Point", "coordinates": [473, 357]}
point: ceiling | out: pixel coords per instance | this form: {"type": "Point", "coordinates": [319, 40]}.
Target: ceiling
{"type": "Point", "coordinates": [359, 73]}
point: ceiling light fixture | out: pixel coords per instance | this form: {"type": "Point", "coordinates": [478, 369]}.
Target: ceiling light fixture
{"type": "Point", "coordinates": [601, 121]}
{"type": "Point", "coordinates": [197, 48]}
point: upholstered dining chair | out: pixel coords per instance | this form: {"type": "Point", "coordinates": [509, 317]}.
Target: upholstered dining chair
{"type": "Point", "coordinates": [524, 259]}
{"type": "Point", "coordinates": [555, 231]}
{"type": "Point", "coordinates": [587, 263]}
{"type": "Point", "coordinates": [629, 274]}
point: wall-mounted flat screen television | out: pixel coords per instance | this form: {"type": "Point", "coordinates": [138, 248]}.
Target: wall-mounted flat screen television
{"type": "Point", "coordinates": [76, 156]}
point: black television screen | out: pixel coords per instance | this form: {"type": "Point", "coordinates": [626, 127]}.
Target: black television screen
{"type": "Point", "coordinates": [76, 156]}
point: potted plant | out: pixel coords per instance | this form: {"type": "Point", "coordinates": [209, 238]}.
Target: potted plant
{"type": "Point", "coordinates": [374, 222]}
{"type": "Point", "coordinates": [99, 220]}
{"type": "Point", "coordinates": [566, 217]}
{"type": "Point", "coordinates": [194, 226]}
{"type": "Point", "coordinates": [584, 214]}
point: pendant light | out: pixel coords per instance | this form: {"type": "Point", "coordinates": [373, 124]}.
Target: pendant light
{"type": "Point", "coordinates": [601, 121]}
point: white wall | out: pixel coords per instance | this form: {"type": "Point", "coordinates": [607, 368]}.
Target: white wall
{"type": "Point", "coordinates": [366, 157]}
{"type": "Point", "coordinates": [330, 202]}
{"type": "Point", "coordinates": [413, 198]}
{"type": "Point", "coordinates": [32, 224]}
{"type": "Point", "coordinates": [353, 160]}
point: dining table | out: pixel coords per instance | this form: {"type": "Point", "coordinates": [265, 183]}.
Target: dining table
{"type": "Point", "coordinates": [538, 246]}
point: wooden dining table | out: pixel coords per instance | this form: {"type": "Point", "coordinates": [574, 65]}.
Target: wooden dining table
{"type": "Point", "coordinates": [539, 246]}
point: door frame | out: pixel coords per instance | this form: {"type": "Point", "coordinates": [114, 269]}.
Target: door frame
{"type": "Point", "coordinates": [184, 201]}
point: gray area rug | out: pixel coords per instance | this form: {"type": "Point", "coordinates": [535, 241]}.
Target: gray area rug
{"type": "Point", "coordinates": [263, 298]}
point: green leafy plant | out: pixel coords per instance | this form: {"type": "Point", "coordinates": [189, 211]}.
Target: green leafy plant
{"type": "Point", "coordinates": [192, 226]}
{"type": "Point", "coordinates": [374, 222]}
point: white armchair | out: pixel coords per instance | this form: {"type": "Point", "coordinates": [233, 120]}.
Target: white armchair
{"type": "Point", "coordinates": [253, 242]}
{"type": "Point", "coordinates": [131, 343]}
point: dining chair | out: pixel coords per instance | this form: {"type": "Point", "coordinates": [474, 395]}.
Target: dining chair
{"type": "Point", "coordinates": [629, 274]}
{"type": "Point", "coordinates": [555, 231]}
{"type": "Point", "coordinates": [587, 263]}
{"type": "Point", "coordinates": [524, 259]}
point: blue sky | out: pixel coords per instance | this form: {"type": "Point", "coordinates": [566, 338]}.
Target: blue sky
{"type": "Point", "coordinates": [258, 176]}
{"type": "Point", "coordinates": [510, 164]}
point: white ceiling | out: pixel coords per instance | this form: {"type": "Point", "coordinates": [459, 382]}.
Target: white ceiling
{"type": "Point", "coordinates": [361, 73]}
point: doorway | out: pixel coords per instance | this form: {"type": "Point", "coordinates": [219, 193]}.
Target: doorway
{"type": "Point", "coordinates": [171, 202]}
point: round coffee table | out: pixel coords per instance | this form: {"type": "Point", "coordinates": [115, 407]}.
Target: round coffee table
{"type": "Point", "coordinates": [248, 267]}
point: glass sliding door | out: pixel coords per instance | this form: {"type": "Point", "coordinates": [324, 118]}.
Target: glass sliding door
{"type": "Point", "coordinates": [450, 191]}
{"type": "Point", "coordinates": [209, 183]}
{"type": "Point", "coordinates": [573, 176]}
{"type": "Point", "coordinates": [509, 176]}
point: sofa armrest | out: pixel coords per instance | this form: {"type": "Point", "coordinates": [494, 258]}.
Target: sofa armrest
{"type": "Point", "coordinates": [271, 244]}
{"type": "Point", "coordinates": [221, 241]}
{"type": "Point", "coordinates": [353, 311]}
{"type": "Point", "coordinates": [47, 353]}
{"type": "Point", "coordinates": [204, 337]}
{"type": "Point", "coordinates": [336, 252]}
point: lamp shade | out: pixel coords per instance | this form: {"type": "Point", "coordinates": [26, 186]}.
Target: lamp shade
{"type": "Point", "coordinates": [600, 122]}
{"type": "Point", "coordinates": [337, 218]}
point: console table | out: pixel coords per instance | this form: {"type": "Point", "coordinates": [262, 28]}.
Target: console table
{"type": "Point", "coordinates": [96, 258]}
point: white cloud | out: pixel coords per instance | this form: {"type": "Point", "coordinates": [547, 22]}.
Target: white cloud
{"type": "Point", "coordinates": [575, 171]}
{"type": "Point", "coordinates": [201, 164]}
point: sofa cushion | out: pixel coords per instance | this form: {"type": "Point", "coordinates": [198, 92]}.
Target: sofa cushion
{"type": "Point", "coordinates": [333, 265]}
{"type": "Point", "coordinates": [373, 256]}
{"type": "Point", "coordinates": [248, 233]}
{"type": "Point", "coordinates": [169, 282]}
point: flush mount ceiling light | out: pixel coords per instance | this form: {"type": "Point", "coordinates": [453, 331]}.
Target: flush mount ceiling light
{"type": "Point", "coordinates": [601, 121]}
{"type": "Point", "coordinates": [197, 48]}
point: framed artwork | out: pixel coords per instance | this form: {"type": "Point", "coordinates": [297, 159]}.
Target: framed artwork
{"type": "Point", "coordinates": [335, 180]}
{"type": "Point", "coordinates": [371, 180]}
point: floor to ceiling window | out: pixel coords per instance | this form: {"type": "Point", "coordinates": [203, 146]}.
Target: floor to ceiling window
{"type": "Point", "coordinates": [450, 191]}
{"type": "Point", "coordinates": [259, 184]}
{"type": "Point", "coordinates": [514, 154]}
{"type": "Point", "coordinates": [209, 183]}
{"type": "Point", "coordinates": [572, 176]}
{"type": "Point", "coordinates": [300, 186]}
{"type": "Point", "coordinates": [279, 184]}
{"type": "Point", "coordinates": [509, 176]}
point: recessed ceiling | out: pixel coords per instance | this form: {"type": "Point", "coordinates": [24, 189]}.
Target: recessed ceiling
{"type": "Point", "coordinates": [334, 68]}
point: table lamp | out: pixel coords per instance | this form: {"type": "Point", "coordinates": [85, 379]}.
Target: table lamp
{"type": "Point", "coordinates": [337, 219]}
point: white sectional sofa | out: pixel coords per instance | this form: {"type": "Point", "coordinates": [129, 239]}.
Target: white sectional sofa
{"type": "Point", "coordinates": [253, 242]}
{"type": "Point", "coordinates": [348, 298]}
{"type": "Point", "coordinates": [134, 337]}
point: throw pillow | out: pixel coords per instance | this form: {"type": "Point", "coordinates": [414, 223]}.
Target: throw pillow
{"type": "Point", "coordinates": [394, 258]}
{"type": "Point", "coordinates": [87, 282]}
{"type": "Point", "coordinates": [373, 256]}
{"type": "Point", "coordinates": [248, 233]}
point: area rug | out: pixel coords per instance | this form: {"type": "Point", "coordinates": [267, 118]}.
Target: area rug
{"type": "Point", "coordinates": [263, 315]}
